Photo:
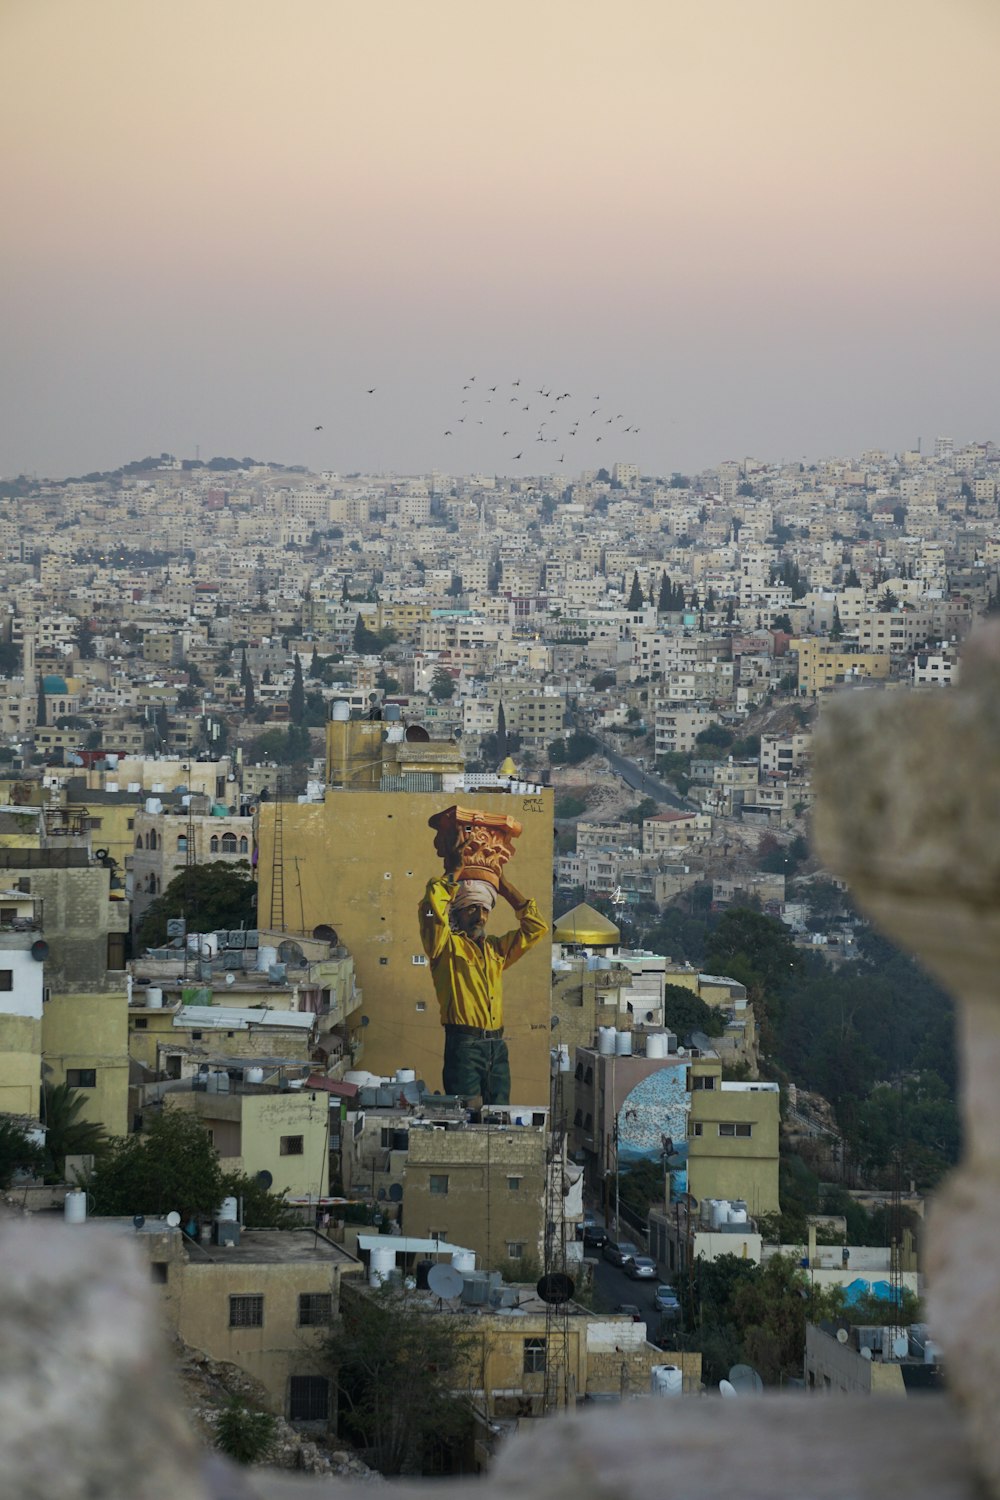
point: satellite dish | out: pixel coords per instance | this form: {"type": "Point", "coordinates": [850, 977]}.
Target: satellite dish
{"type": "Point", "coordinates": [365, 1021]}
{"type": "Point", "coordinates": [866, 1353]}
{"type": "Point", "coordinates": [445, 1282]}
{"type": "Point", "coordinates": [555, 1288]}
{"type": "Point", "coordinates": [264, 1180]}
{"type": "Point", "coordinates": [842, 1335]}
{"type": "Point", "coordinates": [230, 978]}
{"type": "Point", "coordinates": [395, 1192]}
{"type": "Point", "coordinates": [900, 1346]}
{"type": "Point", "coordinates": [745, 1380]}
{"type": "Point", "coordinates": [173, 1218]}
{"type": "Point", "coordinates": [39, 950]}
{"type": "Point", "coordinates": [138, 1220]}
{"type": "Point", "coordinates": [325, 933]}
{"type": "Point", "coordinates": [726, 1388]}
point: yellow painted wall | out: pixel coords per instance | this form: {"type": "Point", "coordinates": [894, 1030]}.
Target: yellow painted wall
{"type": "Point", "coordinates": [364, 859]}
{"type": "Point", "coordinates": [735, 1166]}
{"type": "Point", "coordinates": [91, 1031]}
{"type": "Point", "coordinates": [20, 1065]}
{"type": "Point", "coordinates": [248, 1127]}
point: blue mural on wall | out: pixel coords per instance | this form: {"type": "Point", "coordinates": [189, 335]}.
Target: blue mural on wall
{"type": "Point", "coordinates": [652, 1121]}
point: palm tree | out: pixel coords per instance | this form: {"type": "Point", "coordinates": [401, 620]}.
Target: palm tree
{"type": "Point", "coordinates": [65, 1133]}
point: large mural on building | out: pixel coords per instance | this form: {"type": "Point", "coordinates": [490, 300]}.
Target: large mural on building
{"type": "Point", "coordinates": [652, 1124]}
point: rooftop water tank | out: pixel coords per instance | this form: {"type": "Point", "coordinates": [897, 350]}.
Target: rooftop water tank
{"type": "Point", "coordinates": [606, 1040]}
{"type": "Point", "coordinates": [656, 1044]}
{"type": "Point", "coordinates": [341, 711]}
{"type": "Point", "coordinates": [266, 957]}
{"type": "Point", "coordinates": [254, 1075]}
{"type": "Point", "coordinates": [623, 1043]}
{"type": "Point", "coordinates": [720, 1213]}
{"type": "Point", "coordinates": [463, 1260]}
{"type": "Point", "coordinates": [154, 997]}
{"type": "Point", "coordinates": [405, 1075]}
{"type": "Point", "coordinates": [382, 1260]}
{"type": "Point", "coordinates": [75, 1207]}
{"type": "Point", "coordinates": [228, 1210]}
{"type": "Point", "coordinates": [666, 1380]}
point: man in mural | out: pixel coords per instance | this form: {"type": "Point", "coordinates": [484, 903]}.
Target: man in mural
{"type": "Point", "coordinates": [467, 967]}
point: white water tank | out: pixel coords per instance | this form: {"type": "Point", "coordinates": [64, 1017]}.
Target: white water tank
{"type": "Point", "coordinates": [265, 958]}
{"type": "Point", "coordinates": [154, 997]}
{"type": "Point", "coordinates": [75, 1207]}
{"type": "Point", "coordinates": [666, 1380]}
{"type": "Point", "coordinates": [720, 1213]}
{"type": "Point", "coordinates": [623, 1044]}
{"type": "Point", "coordinates": [565, 1064]}
{"type": "Point", "coordinates": [254, 1075]}
{"type": "Point", "coordinates": [606, 1041]}
{"type": "Point", "coordinates": [656, 1044]}
{"type": "Point", "coordinates": [405, 1075]}
{"type": "Point", "coordinates": [382, 1260]}
{"type": "Point", "coordinates": [705, 1211]}
{"type": "Point", "coordinates": [228, 1211]}
{"type": "Point", "coordinates": [463, 1260]}
{"type": "Point", "coordinates": [737, 1216]}
{"type": "Point", "coordinates": [154, 805]}
{"type": "Point", "coordinates": [296, 1083]}
{"type": "Point", "coordinates": [341, 711]}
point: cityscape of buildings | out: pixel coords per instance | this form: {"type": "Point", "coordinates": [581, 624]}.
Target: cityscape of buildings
{"type": "Point", "coordinates": [281, 676]}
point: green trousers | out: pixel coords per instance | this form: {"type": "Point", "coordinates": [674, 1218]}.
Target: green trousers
{"type": "Point", "coordinates": [476, 1067]}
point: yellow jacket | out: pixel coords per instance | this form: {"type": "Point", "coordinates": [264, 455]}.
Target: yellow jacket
{"type": "Point", "coordinates": [467, 978]}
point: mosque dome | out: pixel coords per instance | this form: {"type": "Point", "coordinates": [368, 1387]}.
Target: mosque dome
{"type": "Point", "coordinates": [586, 927]}
{"type": "Point", "coordinates": [508, 768]}
{"type": "Point", "coordinates": [53, 683]}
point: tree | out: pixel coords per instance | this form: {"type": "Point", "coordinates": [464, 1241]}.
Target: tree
{"type": "Point", "coordinates": [246, 677]}
{"type": "Point", "coordinates": [852, 581]}
{"type": "Point", "coordinates": [171, 1166]}
{"type": "Point", "coordinates": [684, 1012]}
{"type": "Point", "coordinates": [888, 602]}
{"type": "Point", "coordinates": [665, 601]}
{"type": "Point", "coordinates": [635, 598]}
{"type": "Point", "coordinates": [210, 896]}
{"type": "Point", "coordinates": [42, 717]}
{"type": "Point", "coordinates": [18, 1152]}
{"type": "Point", "coordinates": [314, 663]}
{"type": "Point", "coordinates": [297, 697]}
{"type": "Point", "coordinates": [442, 685]}
{"type": "Point", "coordinates": [400, 1372]}
{"type": "Point", "coordinates": [66, 1134]}
{"type": "Point", "coordinates": [572, 750]}
{"type": "Point", "coordinates": [85, 640]}
{"type": "Point", "coordinates": [647, 808]}
{"type": "Point", "coordinates": [836, 629]}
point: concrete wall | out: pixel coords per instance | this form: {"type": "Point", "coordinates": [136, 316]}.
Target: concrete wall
{"type": "Point", "coordinates": [481, 1209]}
{"type": "Point", "coordinates": [735, 1167]}
{"type": "Point", "coordinates": [364, 859]}
{"type": "Point", "coordinates": [91, 1031]}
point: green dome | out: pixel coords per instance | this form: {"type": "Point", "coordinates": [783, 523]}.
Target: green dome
{"type": "Point", "coordinates": [54, 684]}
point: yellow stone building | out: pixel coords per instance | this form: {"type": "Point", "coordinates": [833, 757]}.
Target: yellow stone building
{"type": "Point", "coordinates": [824, 663]}
{"type": "Point", "coordinates": [359, 862]}
{"type": "Point", "coordinates": [733, 1139]}
{"type": "Point", "coordinates": [85, 1044]}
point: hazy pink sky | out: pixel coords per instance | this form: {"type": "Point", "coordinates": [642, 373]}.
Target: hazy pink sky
{"type": "Point", "coordinates": [765, 227]}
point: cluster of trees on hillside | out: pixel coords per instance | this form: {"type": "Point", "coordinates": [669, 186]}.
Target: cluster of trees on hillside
{"type": "Point", "coordinates": [875, 1037]}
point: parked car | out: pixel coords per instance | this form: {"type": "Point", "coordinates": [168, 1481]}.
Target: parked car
{"type": "Point", "coordinates": [641, 1268]}
{"type": "Point", "coordinates": [666, 1300]}
{"type": "Point", "coordinates": [620, 1252]}
{"type": "Point", "coordinates": [595, 1236]}
{"type": "Point", "coordinates": [629, 1310]}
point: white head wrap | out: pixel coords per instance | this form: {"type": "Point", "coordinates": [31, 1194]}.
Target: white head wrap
{"type": "Point", "coordinates": [474, 893]}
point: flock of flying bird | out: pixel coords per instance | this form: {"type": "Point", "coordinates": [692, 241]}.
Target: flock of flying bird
{"type": "Point", "coordinates": [504, 409]}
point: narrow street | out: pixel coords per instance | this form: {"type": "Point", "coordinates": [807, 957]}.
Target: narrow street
{"type": "Point", "coordinates": [641, 781]}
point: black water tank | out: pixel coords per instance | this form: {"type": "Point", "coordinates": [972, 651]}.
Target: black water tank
{"type": "Point", "coordinates": [423, 1271]}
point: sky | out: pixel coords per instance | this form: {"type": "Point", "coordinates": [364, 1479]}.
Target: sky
{"type": "Point", "coordinates": [761, 228]}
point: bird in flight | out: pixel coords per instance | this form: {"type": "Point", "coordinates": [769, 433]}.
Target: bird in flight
{"type": "Point", "coordinates": [517, 455]}
{"type": "Point", "coordinates": [318, 428]}
{"type": "Point", "coordinates": [448, 432]}
{"type": "Point", "coordinates": [371, 390]}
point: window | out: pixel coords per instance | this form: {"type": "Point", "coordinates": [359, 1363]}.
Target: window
{"type": "Point", "coordinates": [141, 1023]}
{"type": "Point", "coordinates": [438, 1234]}
{"type": "Point", "coordinates": [229, 843]}
{"type": "Point", "coordinates": [292, 1145]}
{"type": "Point", "coordinates": [697, 1128]}
{"type": "Point", "coordinates": [741, 1128]}
{"type": "Point", "coordinates": [514, 1184]}
{"type": "Point", "coordinates": [421, 1007]}
{"type": "Point", "coordinates": [438, 1183]}
{"type": "Point", "coordinates": [6, 979]}
{"type": "Point", "coordinates": [315, 1309]}
{"type": "Point", "coordinates": [308, 1398]}
{"type": "Point", "coordinates": [158, 1271]}
{"type": "Point", "coordinates": [534, 1357]}
{"type": "Point", "coordinates": [705, 1082]}
{"type": "Point", "coordinates": [182, 843]}
{"type": "Point", "coordinates": [213, 844]}
{"type": "Point", "coordinates": [419, 960]}
{"type": "Point", "coordinates": [244, 846]}
{"type": "Point", "coordinates": [515, 1249]}
{"type": "Point", "coordinates": [81, 1078]}
{"type": "Point", "coordinates": [246, 1312]}
{"type": "Point", "coordinates": [588, 1076]}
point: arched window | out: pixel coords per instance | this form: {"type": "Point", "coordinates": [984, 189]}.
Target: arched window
{"type": "Point", "coordinates": [244, 846]}
{"type": "Point", "coordinates": [151, 839]}
{"type": "Point", "coordinates": [229, 843]}
{"type": "Point", "coordinates": [138, 841]}
{"type": "Point", "coordinates": [182, 843]}
{"type": "Point", "coordinates": [213, 844]}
